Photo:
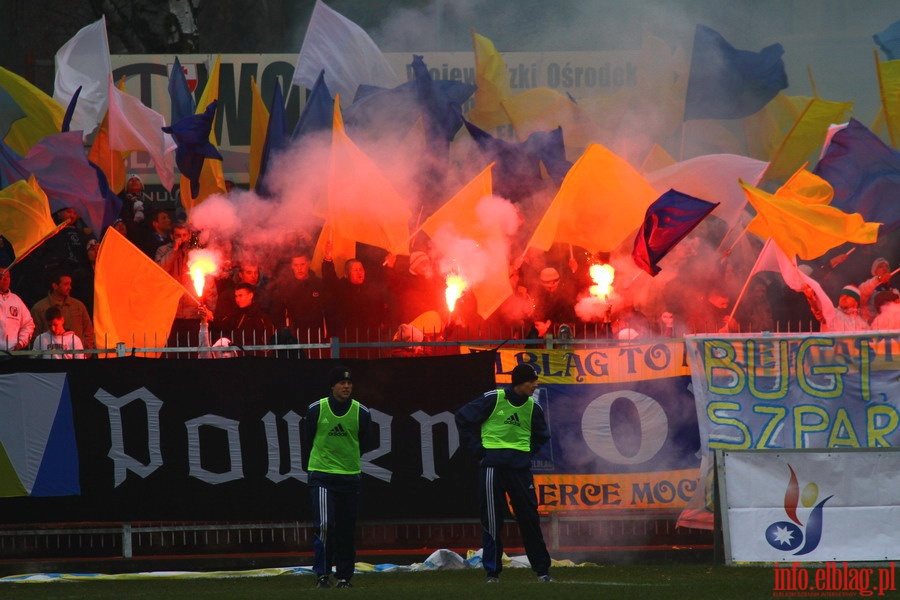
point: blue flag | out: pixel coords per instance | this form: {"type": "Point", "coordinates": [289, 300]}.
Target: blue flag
{"type": "Point", "coordinates": [10, 112]}
{"type": "Point", "coordinates": [727, 83]}
{"type": "Point", "coordinates": [671, 217]}
{"type": "Point", "coordinates": [112, 204]}
{"type": "Point", "coordinates": [318, 114]}
{"type": "Point", "coordinates": [865, 175]}
{"type": "Point", "coordinates": [180, 94]}
{"type": "Point", "coordinates": [70, 111]}
{"type": "Point", "coordinates": [517, 169]}
{"type": "Point", "coordinates": [438, 103]}
{"type": "Point", "coordinates": [191, 135]}
{"type": "Point", "coordinates": [889, 40]}
{"type": "Point", "coordinates": [551, 148]}
{"type": "Point", "coordinates": [276, 138]}
{"type": "Point", "coordinates": [441, 103]}
{"type": "Point", "coordinates": [66, 176]}
{"type": "Point", "coordinates": [11, 168]}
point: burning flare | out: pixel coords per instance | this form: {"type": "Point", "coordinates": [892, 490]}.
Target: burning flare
{"type": "Point", "coordinates": [456, 285]}
{"type": "Point", "coordinates": [200, 264]}
{"type": "Point", "coordinates": [603, 276]}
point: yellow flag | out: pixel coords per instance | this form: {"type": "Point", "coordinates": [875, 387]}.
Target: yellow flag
{"type": "Point", "coordinates": [259, 123]}
{"type": "Point", "coordinates": [363, 204]}
{"type": "Point", "coordinates": [212, 177]}
{"type": "Point", "coordinates": [111, 162]}
{"type": "Point", "coordinates": [43, 114]}
{"type": "Point", "coordinates": [804, 188]}
{"type": "Point", "coordinates": [806, 228]}
{"type": "Point", "coordinates": [25, 218]}
{"type": "Point", "coordinates": [766, 129]}
{"type": "Point", "coordinates": [543, 109]}
{"type": "Point", "coordinates": [889, 81]}
{"type": "Point", "coordinates": [661, 86]}
{"type": "Point", "coordinates": [492, 80]}
{"type": "Point", "coordinates": [657, 159]}
{"type": "Point", "coordinates": [134, 298]}
{"type": "Point", "coordinates": [806, 137]}
{"type": "Point", "coordinates": [601, 203]}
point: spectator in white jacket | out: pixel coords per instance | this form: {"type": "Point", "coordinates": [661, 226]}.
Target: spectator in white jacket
{"type": "Point", "coordinates": [16, 324]}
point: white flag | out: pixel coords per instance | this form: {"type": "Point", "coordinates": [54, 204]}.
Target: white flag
{"type": "Point", "coordinates": [713, 177]}
{"type": "Point", "coordinates": [84, 62]}
{"type": "Point", "coordinates": [771, 258]}
{"type": "Point", "coordinates": [345, 52]}
{"type": "Point", "coordinates": [135, 127]}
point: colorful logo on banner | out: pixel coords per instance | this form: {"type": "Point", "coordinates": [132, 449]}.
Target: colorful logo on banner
{"type": "Point", "coordinates": [793, 535]}
{"type": "Point", "coordinates": [38, 454]}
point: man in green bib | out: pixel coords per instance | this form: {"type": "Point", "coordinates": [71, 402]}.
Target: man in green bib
{"type": "Point", "coordinates": [506, 427]}
{"type": "Point", "coordinates": [337, 431]}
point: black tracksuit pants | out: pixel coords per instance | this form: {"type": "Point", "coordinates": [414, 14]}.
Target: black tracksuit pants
{"type": "Point", "coordinates": [494, 483]}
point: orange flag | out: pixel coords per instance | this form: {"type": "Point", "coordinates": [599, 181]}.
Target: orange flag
{"type": "Point", "coordinates": [342, 250]}
{"type": "Point", "coordinates": [134, 298]}
{"type": "Point", "coordinates": [463, 218]}
{"type": "Point", "coordinates": [461, 209]}
{"type": "Point", "coordinates": [363, 205]}
{"type": "Point", "coordinates": [601, 203]}
{"type": "Point", "coordinates": [800, 221]}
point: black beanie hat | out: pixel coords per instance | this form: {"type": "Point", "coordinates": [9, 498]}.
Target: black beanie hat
{"type": "Point", "coordinates": [523, 373]}
{"type": "Point", "coordinates": [338, 374]}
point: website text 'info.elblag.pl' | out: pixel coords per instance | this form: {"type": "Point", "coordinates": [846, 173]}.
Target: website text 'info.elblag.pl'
{"type": "Point", "coordinates": [834, 580]}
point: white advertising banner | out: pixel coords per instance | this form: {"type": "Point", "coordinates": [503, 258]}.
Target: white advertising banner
{"type": "Point", "coordinates": [810, 506]}
{"type": "Point", "coordinates": [768, 392]}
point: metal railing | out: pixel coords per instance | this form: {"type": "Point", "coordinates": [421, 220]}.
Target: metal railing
{"type": "Point", "coordinates": [374, 344]}
{"type": "Point", "coordinates": [360, 344]}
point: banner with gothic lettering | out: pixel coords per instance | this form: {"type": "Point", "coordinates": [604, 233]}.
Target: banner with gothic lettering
{"type": "Point", "coordinates": [791, 391]}
{"type": "Point", "coordinates": [159, 439]}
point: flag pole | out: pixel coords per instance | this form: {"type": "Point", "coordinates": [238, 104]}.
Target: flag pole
{"type": "Point", "coordinates": [418, 226]}
{"type": "Point", "coordinates": [812, 82]}
{"type": "Point", "coordinates": [749, 277]}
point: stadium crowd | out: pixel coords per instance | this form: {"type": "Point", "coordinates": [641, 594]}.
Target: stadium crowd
{"type": "Point", "coordinates": [272, 294]}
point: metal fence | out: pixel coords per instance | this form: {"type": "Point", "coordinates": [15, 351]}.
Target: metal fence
{"type": "Point", "coordinates": [375, 344]}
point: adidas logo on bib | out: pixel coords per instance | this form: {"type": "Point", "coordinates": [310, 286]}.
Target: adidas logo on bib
{"type": "Point", "coordinates": [513, 420]}
{"type": "Point", "coordinates": [338, 430]}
